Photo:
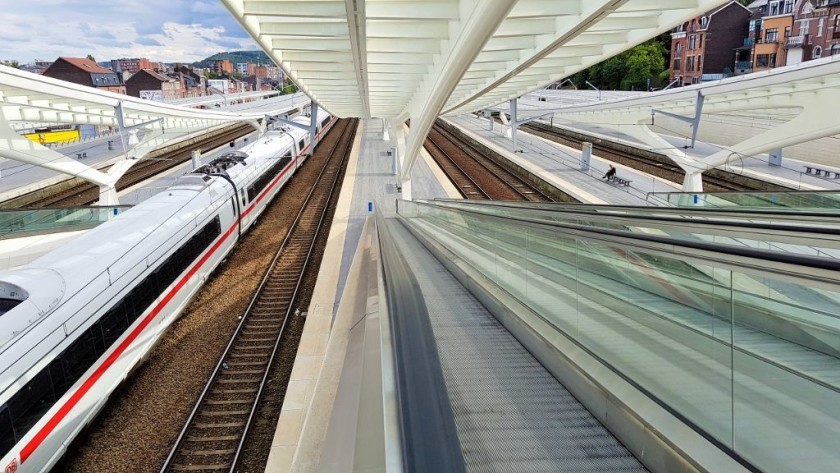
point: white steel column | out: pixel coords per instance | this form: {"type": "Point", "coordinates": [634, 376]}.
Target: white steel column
{"type": "Point", "coordinates": [817, 120]}
{"type": "Point", "coordinates": [485, 17]}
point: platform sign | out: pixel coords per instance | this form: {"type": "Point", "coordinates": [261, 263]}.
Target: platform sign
{"type": "Point", "coordinates": [153, 95]}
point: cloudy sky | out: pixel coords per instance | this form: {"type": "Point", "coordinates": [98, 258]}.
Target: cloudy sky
{"type": "Point", "coordinates": [161, 30]}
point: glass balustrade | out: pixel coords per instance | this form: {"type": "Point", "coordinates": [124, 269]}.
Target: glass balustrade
{"type": "Point", "coordinates": [749, 356]}
{"type": "Point", "coordinates": [17, 223]}
{"type": "Point", "coordinates": [804, 200]}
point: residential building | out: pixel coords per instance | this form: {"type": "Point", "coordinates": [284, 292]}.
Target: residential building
{"type": "Point", "coordinates": [151, 85]}
{"type": "Point", "coordinates": [816, 31]}
{"type": "Point", "coordinates": [245, 68]}
{"type": "Point", "coordinates": [260, 83]}
{"type": "Point", "coordinates": [219, 86]}
{"type": "Point", "coordinates": [193, 83]}
{"type": "Point", "coordinates": [222, 66]}
{"type": "Point", "coordinates": [274, 73]}
{"type": "Point", "coordinates": [770, 50]}
{"type": "Point", "coordinates": [85, 72]}
{"type": "Point", "coordinates": [132, 65]}
{"type": "Point", "coordinates": [701, 49]}
{"type": "Point", "coordinates": [260, 71]}
{"type": "Point", "coordinates": [36, 67]}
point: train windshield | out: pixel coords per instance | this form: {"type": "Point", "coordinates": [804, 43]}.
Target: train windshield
{"type": "Point", "coordinates": [10, 296]}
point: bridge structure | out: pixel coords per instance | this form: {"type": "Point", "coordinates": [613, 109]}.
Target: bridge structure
{"type": "Point", "coordinates": [802, 98]}
{"type": "Point", "coordinates": [143, 125]}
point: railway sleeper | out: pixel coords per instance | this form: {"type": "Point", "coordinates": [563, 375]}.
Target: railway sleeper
{"type": "Point", "coordinates": [224, 451]}
{"type": "Point", "coordinates": [222, 438]}
{"type": "Point", "coordinates": [225, 402]}
{"type": "Point", "coordinates": [263, 339]}
{"type": "Point", "coordinates": [213, 467]}
{"type": "Point", "coordinates": [236, 391]}
{"type": "Point", "coordinates": [239, 372]}
{"type": "Point", "coordinates": [255, 347]}
{"type": "Point", "coordinates": [219, 425]}
{"type": "Point", "coordinates": [225, 413]}
{"type": "Point", "coordinates": [239, 381]}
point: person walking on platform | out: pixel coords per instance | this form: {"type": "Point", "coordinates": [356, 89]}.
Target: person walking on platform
{"type": "Point", "coordinates": [610, 173]}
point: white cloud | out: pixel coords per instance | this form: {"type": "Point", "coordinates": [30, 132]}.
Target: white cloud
{"type": "Point", "coordinates": [162, 30]}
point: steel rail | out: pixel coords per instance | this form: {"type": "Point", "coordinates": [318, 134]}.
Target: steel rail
{"type": "Point", "coordinates": [333, 165]}
{"type": "Point", "coordinates": [505, 176]}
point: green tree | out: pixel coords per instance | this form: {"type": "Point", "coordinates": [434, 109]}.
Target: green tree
{"type": "Point", "coordinates": [14, 64]}
{"type": "Point", "coordinates": [90, 56]}
{"type": "Point", "coordinates": [644, 62]}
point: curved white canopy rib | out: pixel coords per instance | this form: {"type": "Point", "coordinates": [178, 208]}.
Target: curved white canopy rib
{"type": "Point", "coordinates": [806, 93]}
{"type": "Point", "coordinates": [373, 57]}
{"type": "Point", "coordinates": [400, 59]}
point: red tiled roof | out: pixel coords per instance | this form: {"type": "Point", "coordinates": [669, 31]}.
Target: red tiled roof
{"type": "Point", "coordinates": [86, 65]}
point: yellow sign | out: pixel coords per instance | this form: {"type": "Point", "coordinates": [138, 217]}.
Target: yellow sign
{"type": "Point", "coordinates": [57, 136]}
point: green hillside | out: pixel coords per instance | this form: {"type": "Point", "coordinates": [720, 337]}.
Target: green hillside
{"type": "Point", "coordinates": [235, 57]}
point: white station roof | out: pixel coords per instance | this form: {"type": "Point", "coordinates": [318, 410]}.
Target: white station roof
{"type": "Point", "coordinates": [388, 58]}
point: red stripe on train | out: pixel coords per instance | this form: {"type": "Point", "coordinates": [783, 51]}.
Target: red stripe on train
{"type": "Point", "coordinates": [65, 409]}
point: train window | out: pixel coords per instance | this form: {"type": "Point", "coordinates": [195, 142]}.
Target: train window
{"type": "Point", "coordinates": [31, 402]}
{"type": "Point", "coordinates": [242, 195]}
{"type": "Point", "coordinates": [60, 383]}
{"type": "Point", "coordinates": [113, 324]}
{"type": "Point", "coordinates": [301, 144]}
{"type": "Point", "coordinates": [252, 192]}
{"type": "Point", "coordinates": [7, 433]}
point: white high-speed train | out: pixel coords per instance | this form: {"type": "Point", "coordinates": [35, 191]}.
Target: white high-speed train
{"type": "Point", "coordinates": [74, 322]}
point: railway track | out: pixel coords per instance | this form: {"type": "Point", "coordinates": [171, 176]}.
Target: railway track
{"type": "Point", "coordinates": [217, 428]}
{"type": "Point", "coordinates": [713, 180]}
{"type": "Point", "coordinates": [87, 193]}
{"type": "Point", "coordinates": [476, 176]}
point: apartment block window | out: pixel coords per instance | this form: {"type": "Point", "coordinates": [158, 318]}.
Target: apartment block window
{"type": "Point", "coordinates": [780, 7]}
{"type": "Point", "coordinates": [820, 26]}
{"type": "Point", "coordinates": [817, 52]}
{"type": "Point", "coordinates": [787, 31]}
{"type": "Point", "coordinates": [765, 60]}
{"type": "Point", "coordinates": [678, 49]}
{"type": "Point", "coordinates": [677, 64]}
{"type": "Point", "coordinates": [771, 35]}
{"type": "Point", "coordinates": [804, 25]}
{"type": "Point", "coordinates": [692, 42]}
{"type": "Point", "coordinates": [835, 50]}
{"type": "Point", "coordinates": [689, 64]}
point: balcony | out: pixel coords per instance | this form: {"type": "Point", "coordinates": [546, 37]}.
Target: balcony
{"type": "Point", "coordinates": [796, 41]}
{"type": "Point", "coordinates": [748, 42]}
{"type": "Point", "coordinates": [743, 65]}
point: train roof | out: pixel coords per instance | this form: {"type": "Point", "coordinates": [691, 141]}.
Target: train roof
{"type": "Point", "coordinates": [89, 255]}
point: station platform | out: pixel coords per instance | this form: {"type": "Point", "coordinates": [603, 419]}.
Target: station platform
{"type": "Point", "coordinates": [665, 340]}
{"type": "Point", "coordinates": [560, 165]}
